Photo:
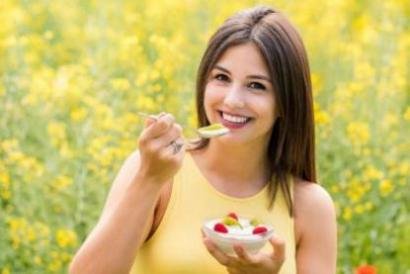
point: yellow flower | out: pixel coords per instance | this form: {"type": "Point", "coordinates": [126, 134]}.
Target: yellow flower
{"type": "Point", "coordinates": [10, 145]}
{"type": "Point", "coordinates": [347, 213]}
{"type": "Point", "coordinates": [55, 265]}
{"type": "Point", "coordinates": [389, 120]}
{"type": "Point", "coordinates": [358, 133]}
{"type": "Point", "coordinates": [317, 83]}
{"type": "Point", "coordinates": [364, 71]}
{"type": "Point", "coordinates": [371, 173]}
{"type": "Point", "coordinates": [357, 189]}
{"type": "Point", "coordinates": [31, 165]}
{"type": "Point", "coordinates": [37, 260]}
{"type": "Point", "coordinates": [368, 206]}
{"type": "Point", "coordinates": [78, 114]}
{"type": "Point", "coordinates": [62, 182]}
{"type": "Point", "coordinates": [66, 237]}
{"type": "Point", "coordinates": [4, 180]}
{"type": "Point", "coordinates": [385, 187]}
{"type": "Point", "coordinates": [359, 209]}
{"type": "Point", "coordinates": [121, 84]}
{"type": "Point", "coordinates": [65, 257]}
{"type": "Point", "coordinates": [321, 116]}
{"type": "Point", "coordinates": [5, 195]}
{"type": "Point", "coordinates": [56, 132]}
{"type": "Point", "coordinates": [335, 188]}
{"type": "Point", "coordinates": [65, 150]}
{"type": "Point", "coordinates": [6, 270]}
{"type": "Point", "coordinates": [142, 79]}
{"type": "Point", "coordinates": [146, 103]}
{"type": "Point", "coordinates": [404, 169]}
{"type": "Point", "coordinates": [42, 229]}
{"type": "Point", "coordinates": [407, 114]}
{"type": "Point", "coordinates": [48, 35]}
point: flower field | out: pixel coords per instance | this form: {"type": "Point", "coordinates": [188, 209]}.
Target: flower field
{"type": "Point", "coordinates": [73, 75]}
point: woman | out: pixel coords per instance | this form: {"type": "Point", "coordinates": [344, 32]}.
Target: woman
{"type": "Point", "coordinates": [254, 79]}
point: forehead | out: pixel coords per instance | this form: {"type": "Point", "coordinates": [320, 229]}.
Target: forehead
{"type": "Point", "coordinates": [245, 58]}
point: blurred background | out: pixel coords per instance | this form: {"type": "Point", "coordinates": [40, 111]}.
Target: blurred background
{"type": "Point", "coordinates": [73, 75]}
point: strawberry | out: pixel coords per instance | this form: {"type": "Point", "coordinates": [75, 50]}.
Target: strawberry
{"type": "Point", "coordinates": [218, 227]}
{"type": "Point", "coordinates": [233, 215]}
{"type": "Point", "coordinates": [259, 230]}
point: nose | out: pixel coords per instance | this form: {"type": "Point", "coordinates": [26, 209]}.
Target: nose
{"type": "Point", "coordinates": [234, 98]}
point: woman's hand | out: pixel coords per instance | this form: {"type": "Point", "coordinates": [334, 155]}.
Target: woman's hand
{"type": "Point", "coordinates": [159, 158]}
{"type": "Point", "coordinates": [245, 263]}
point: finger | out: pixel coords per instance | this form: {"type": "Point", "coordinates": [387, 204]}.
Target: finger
{"type": "Point", "coordinates": [220, 256]}
{"type": "Point", "coordinates": [161, 125]}
{"type": "Point", "coordinates": [162, 113]}
{"type": "Point", "coordinates": [163, 146]}
{"type": "Point", "coordinates": [157, 128]}
{"type": "Point", "coordinates": [179, 146]}
{"type": "Point", "coordinates": [233, 270]}
{"type": "Point", "coordinates": [149, 121]}
{"type": "Point", "coordinates": [174, 148]}
{"type": "Point", "coordinates": [152, 118]}
{"type": "Point", "coordinates": [278, 248]}
{"type": "Point", "coordinates": [242, 254]}
{"type": "Point", "coordinates": [167, 140]}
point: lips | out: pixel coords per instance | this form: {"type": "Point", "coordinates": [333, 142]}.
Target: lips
{"type": "Point", "coordinates": [233, 121]}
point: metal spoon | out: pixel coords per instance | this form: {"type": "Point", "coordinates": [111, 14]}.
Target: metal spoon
{"type": "Point", "coordinates": [214, 130]}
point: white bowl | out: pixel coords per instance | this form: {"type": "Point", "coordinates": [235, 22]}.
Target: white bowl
{"type": "Point", "coordinates": [252, 243]}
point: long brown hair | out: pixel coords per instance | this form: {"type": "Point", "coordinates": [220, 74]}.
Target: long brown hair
{"type": "Point", "coordinates": [291, 150]}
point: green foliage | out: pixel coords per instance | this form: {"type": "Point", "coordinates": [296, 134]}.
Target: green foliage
{"type": "Point", "coordinates": [73, 77]}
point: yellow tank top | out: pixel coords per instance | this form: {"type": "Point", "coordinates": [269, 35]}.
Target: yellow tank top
{"type": "Point", "coordinates": [177, 248]}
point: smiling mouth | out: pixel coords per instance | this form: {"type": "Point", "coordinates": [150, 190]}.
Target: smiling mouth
{"type": "Point", "coordinates": [233, 121]}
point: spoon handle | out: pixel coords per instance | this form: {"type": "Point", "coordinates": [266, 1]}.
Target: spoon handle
{"type": "Point", "coordinates": [146, 115]}
{"type": "Point", "coordinates": [197, 132]}
{"type": "Point", "coordinates": [154, 117]}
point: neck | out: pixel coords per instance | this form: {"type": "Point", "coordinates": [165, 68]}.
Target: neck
{"type": "Point", "coordinates": [242, 166]}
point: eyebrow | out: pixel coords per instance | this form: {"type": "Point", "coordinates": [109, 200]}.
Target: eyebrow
{"type": "Point", "coordinates": [261, 77]}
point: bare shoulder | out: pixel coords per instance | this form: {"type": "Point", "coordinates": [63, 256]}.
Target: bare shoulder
{"type": "Point", "coordinates": [315, 229]}
{"type": "Point", "coordinates": [312, 198]}
{"type": "Point", "coordinates": [314, 207]}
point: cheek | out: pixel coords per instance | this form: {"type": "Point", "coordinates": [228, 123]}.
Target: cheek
{"type": "Point", "coordinates": [267, 108]}
{"type": "Point", "coordinates": [212, 95]}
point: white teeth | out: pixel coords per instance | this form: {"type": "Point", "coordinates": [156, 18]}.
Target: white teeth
{"type": "Point", "coordinates": [234, 119]}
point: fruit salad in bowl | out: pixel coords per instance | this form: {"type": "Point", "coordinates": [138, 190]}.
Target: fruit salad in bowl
{"type": "Point", "coordinates": [231, 229]}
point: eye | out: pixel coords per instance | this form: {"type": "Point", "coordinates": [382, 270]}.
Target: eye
{"type": "Point", "coordinates": [221, 77]}
{"type": "Point", "coordinates": [257, 85]}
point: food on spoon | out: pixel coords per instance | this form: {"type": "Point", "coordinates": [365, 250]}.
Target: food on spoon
{"type": "Point", "coordinates": [213, 130]}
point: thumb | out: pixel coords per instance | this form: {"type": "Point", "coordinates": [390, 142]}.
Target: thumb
{"type": "Point", "coordinates": [278, 248]}
{"type": "Point", "coordinates": [149, 122]}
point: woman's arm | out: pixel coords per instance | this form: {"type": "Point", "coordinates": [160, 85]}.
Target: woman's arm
{"type": "Point", "coordinates": [128, 215]}
{"type": "Point", "coordinates": [315, 228]}
{"type": "Point", "coordinates": [123, 226]}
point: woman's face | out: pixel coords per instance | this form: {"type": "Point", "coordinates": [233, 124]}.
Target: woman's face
{"type": "Point", "coordinates": [239, 94]}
